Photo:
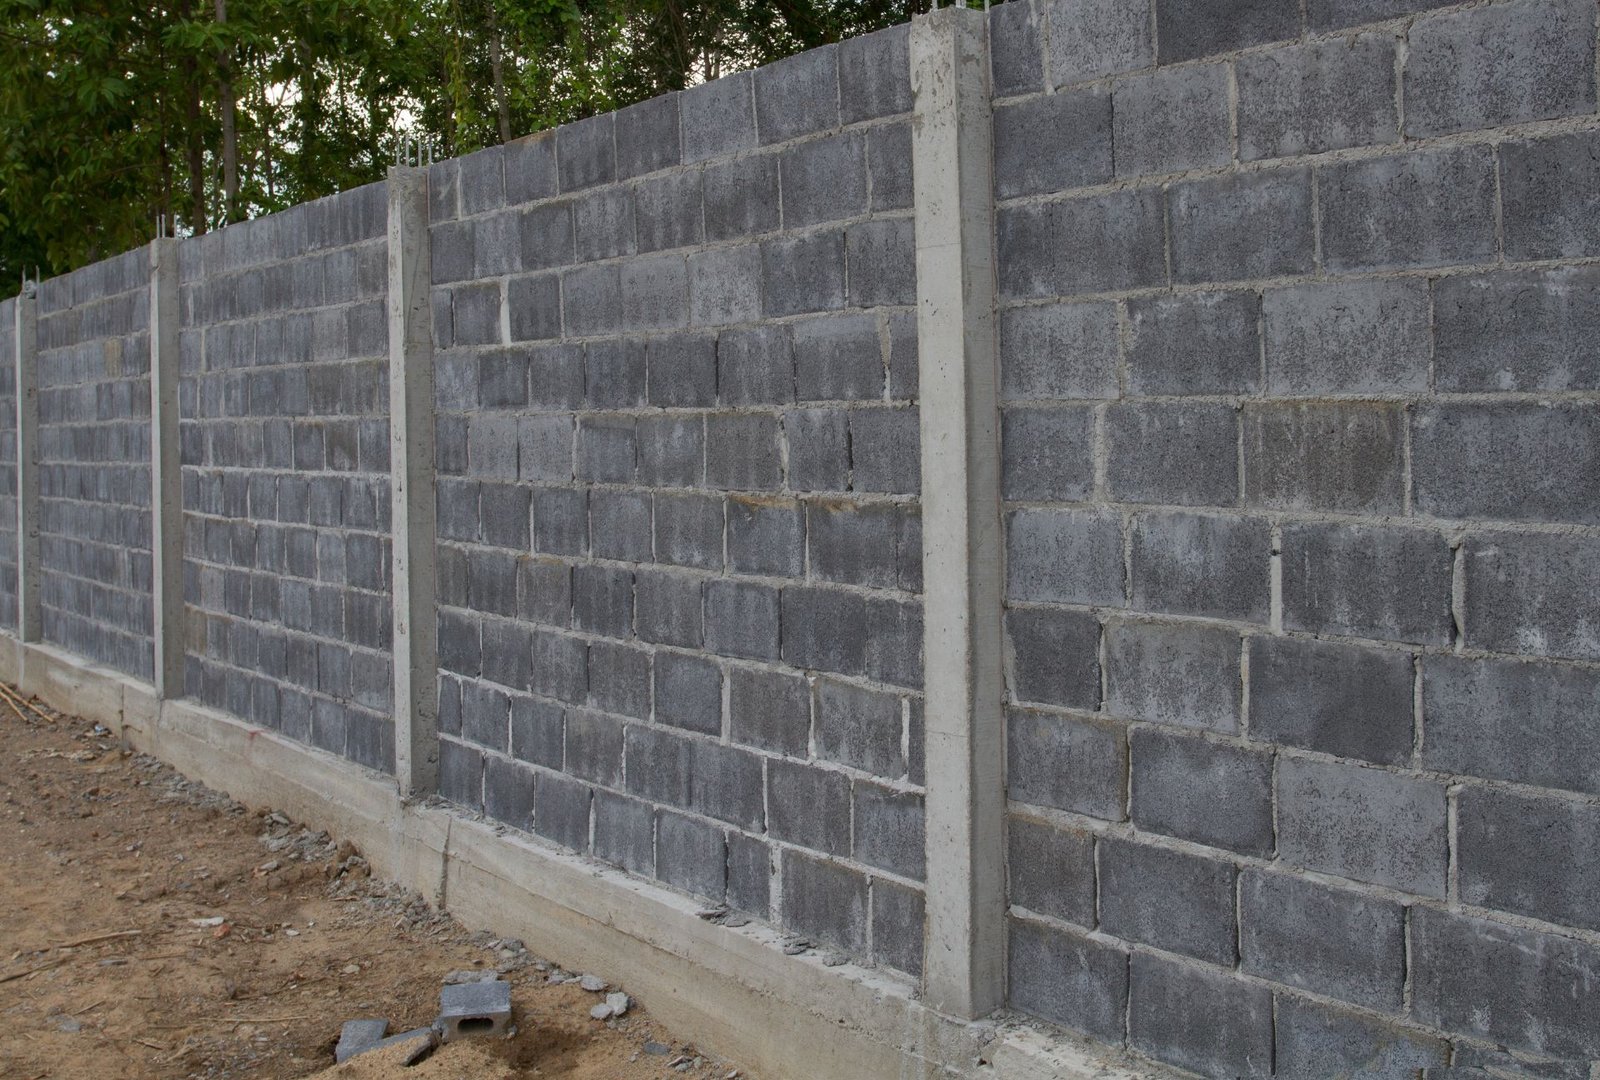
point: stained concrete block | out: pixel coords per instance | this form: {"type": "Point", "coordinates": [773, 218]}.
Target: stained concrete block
{"type": "Point", "coordinates": [1016, 47]}
{"type": "Point", "coordinates": [1067, 978]}
{"type": "Point", "coordinates": [888, 829]}
{"type": "Point", "coordinates": [741, 197]}
{"type": "Point", "coordinates": [1348, 338]}
{"type": "Point", "coordinates": [898, 919]}
{"type": "Point", "coordinates": [1047, 453]}
{"type": "Point", "coordinates": [1052, 143]}
{"type": "Point", "coordinates": [742, 619]}
{"type": "Point", "coordinates": [718, 117]}
{"type": "Point", "coordinates": [1525, 331]}
{"type": "Point", "coordinates": [1532, 593]}
{"type": "Point", "coordinates": [770, 710]}
{"type": "Point", "coordinates": [1317, 97]}
{"type": "Point", "coordinates": [803, 273]}
{"type": "Point", "coordinates": [1194, 564]}
{"type": "Point", "coordinates": [1529, 854]}
{"type": "Point", "coordinates": [1310, 1034]}
{"type": "Point", "coordinates": [1534, 462]}
{"type": "Point", "coordinates": [824, 901]}
{"type": "Point", "coordinates": [1199, 1018]}
{"type": "Point", "coordinates": [1065, 556]}
{"type": "Point", "coordinates": [875, 75]}
{"type": "Point", "coordinates": [1426, 208]}
{"type": "Point", "coordinates": [691, 855]}
{"type": "Point", "coordinates": [1067, 763]}
{"type": "Point", "coordinates": [1367, 581]}
{"type": "Point", "coordinates": [1210, 793]}
{"type": "Point", "coordinates": [1241, 226]}
{"type": "Point", "coordinates": [1195, 916]}
{"type": "Point", "coordinates": [1173, 453]}
{"type": "Point", "coordinates": [1174, 673]}
{"type": "Point", "coordinates": [1171, 120]}
{"type": "Point", "coordinates": [688, 693]}
{"type": "Point", "coordinates": [1336, 942]}
{"type": "Point", "coordinates": [1339, 699]}
{"type": "Point", "coordinates": [1336, 456]}
{"type": "Point", "coordinates": [808, 806]}
{"type": "Point", "coordinates": [1095, 243]}
{"type": "Point", "coordinates": [648, 136]}
{"type": "Point", "coordinates": [1051, 870]}
{"type": "Point", "coordinates": [1053, 657]}
{"type": "Point", "coordinates": [798, 95]}
{"type": "Point", "coordinates": [860, 728]}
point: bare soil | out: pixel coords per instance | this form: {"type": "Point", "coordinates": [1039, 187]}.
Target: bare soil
{"type": "Point", "coordinates": [151, 928]}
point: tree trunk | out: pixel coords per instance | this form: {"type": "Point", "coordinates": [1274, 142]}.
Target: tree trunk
{"type": "Point", "coordinates": [230, 135]}
{"type": "Point", "coordinates": [196, 152]}
{"type": "Point", "coordinates": [497, 68]}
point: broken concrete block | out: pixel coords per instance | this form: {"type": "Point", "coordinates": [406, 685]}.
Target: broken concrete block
{"type": "Point", "coordinates": [420, 1043]}
{"type": "Point", "coordinates": [359, 1035]}
{"type": "Point", "coordinates": [481, 1008]}
{"type": "Point", "coordinates": [618, 1003]}
{"type": "Point", "coordinates": [593, 983]}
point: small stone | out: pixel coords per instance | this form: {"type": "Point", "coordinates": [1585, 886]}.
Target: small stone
{"type": "Point", "coordinates": [601, 1011]}
{"type": "Point", "coordinates": [659, 1049]}
{"type": "Point", "coordinates": [618, 1003]}
{"type": "Point", "coordinates": [834, 959]}
{"type": "Point", "coordinates": [350, 969]}
{"type": "Point", "coordinates": [594, 984]}
{"type": "Point", "coordinates": [461, 978]}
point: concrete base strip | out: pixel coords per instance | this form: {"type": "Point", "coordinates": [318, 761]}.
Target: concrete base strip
{"type": "Point", "coordinates": [730, 989]}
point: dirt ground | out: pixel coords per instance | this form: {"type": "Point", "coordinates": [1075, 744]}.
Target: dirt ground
{"type": "Point", "coordinates": [151, 928]}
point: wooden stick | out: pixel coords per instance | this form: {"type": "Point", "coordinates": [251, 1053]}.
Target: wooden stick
{"type": "Point", "coordinates": [41, 967]}
{"type": "Point", "coordinates": [93, 938]}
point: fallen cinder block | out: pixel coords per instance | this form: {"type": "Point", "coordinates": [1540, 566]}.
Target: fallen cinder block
{"type": "Point", "coordinates": [470, 1009]}
{"type": "Point", "coordinates": [359, 1035]}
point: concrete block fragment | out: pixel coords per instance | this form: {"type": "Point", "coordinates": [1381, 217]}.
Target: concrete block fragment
{"type": "Point", "coordinates": [749, 874]}
{"type": "Point", "coordinates": [358, 1035]}
{"type": "Point", "coordinates": [1340, 699]}
{"type": "Point", "coordinates": [1177, 454]}
{"type": "Point", "coordinates": [1199, 1019]}
{"type": "Point", "coordinates": [808, 806]}
{"type": "Point", "coordinates": [1059, 351]}
{"type": "Point", "coordinates": [619, 525]}
{"type": "Point", "coordinates": [1064, 977]}
{"type": "Point", "coordinates": [798, 95]}
{"type": "Point", "coordinates": [602, 600]}
{"type": "Point", "coordinates": [508, 792]}
{"type": "Point", "coordinates": [888, 829]}
{"type": "Point", "coordinates": [592, 300]}
{"type": "Point", "coordinates": [474, 1009]}
{"type": "Point", "coordinates": [804, 273]}
{"type": "Point", "coordinates": [1067, 763]}
{"type": "Point", "coordinates": [838, 358]}
{"type": "Point", "coordinates": [560, 521]}
{"type": "Point", "coordinates": [1333, 14]}
{"type": "Point", "coordinates": [1053, 657]}
{"type": "Point", "coordinates": [606, 449]}
{"type": "Point", "coordinates": [1241, 226]}
{"type": "Point", "coordinates": [1095, 243]}
{"type": "Point", "coordinates": [595, 745]}
{"type": "Point", "coordinates": [1195, 916]}
{"type": "Point", "coordinates": [853, 543]}
{"type": "Point", "coordinates": [875, 75]}
{"type": "Point", "coordinates": [544, 591]}
{"type": "Point", "coordinates": [1534, 462]}
{"type": "Point", "coordinates": [1193, 564]}
{"type": "Point", "coordinates": [555, 376]}
{"type": "Point", "coordinates": [819, 449]}
{"type": "Point", "coordinates": [461, 774]}
{"type": "Point", "coordinates": [1348, 338]}
{"type": "Point", "coordinates": [1363, 824]}
{"type": "Point", "coordinates": [1337, 456]}
{"type": "Point", "coordinates": [1427, 208]}
{"type": "Point", "coordinates": [885, 451]}
{"type": "Point", "coordinates": [538, 730]}
{"type": "Point", "coordinates": [619, 683]}
{"type": "Point", "coordinates": [1211, 793]}
{"type": "Point", "coordinates": [1335, 942]}
{"type": "Point", "coordinates": [1367, 581]}
{"type": "Point", "coordinates": [482, 180]}
{"type": "Point", "coordinates": [1171, 120]}
{"type": "Point", "coordinates": [1173, 673]}
{"type": "Point", "coordinates": [718, 117]}
{"type": "Point", "coordinates": [1052, 143]}
{"type": "Point", "coordinates": [1548, 196]}
{"type": "Point", "coordinates": [1317, 97]}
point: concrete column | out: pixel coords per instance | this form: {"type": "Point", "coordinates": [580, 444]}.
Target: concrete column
{"type": "Point", "coordinates": [166, 473]}
{"type": "Point", "coordinates": [416, 633]}
{"type": "Point", "coordinates": [29, 581]}
{"type": "Point", "coordinates": [962, 545]}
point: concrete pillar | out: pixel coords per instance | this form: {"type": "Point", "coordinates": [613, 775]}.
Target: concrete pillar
{"type": "Point", "coordinates": [962, 544]}
{"type": "Point", "coordinates": [29, 619]}
{"type": "Point", "coordinates": [166, 473]}
{"type": "Point", "coordinates": [416, 633]}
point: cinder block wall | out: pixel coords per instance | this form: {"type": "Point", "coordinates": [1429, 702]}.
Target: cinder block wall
{"type": "Point", "coordinates": [8, 465]}
{"type": "Point", "coordinates": [680, 547]}
{"type": "Point", "coordinates": [94, 462]}
{"type": "Point", "coordinates": [285, 443]}
{"type": "Point", "coordinates": [1302, 457]}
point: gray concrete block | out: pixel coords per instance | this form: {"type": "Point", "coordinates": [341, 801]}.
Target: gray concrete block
{"type": "Point", "coordinates": [670, 768]}
{"type": "Point", "coordinates": [1173, 673]}
{"type": "Point", "coordinates": [1508, 720]}
{"type": "Point", "coordinates": [655, 293]}
{"type": "Point", "coordinates": [803, 273]}
{"type": "Point", "coordinates": [1065, 556]}
{"type": "Point", "coordinates": [592, 300]}
{"type": "Point", "coordinates": [358, 1035]}
{"type": "Point", "coordinates": [595, 744]}
{"type": "Point", "coordinates": [561, 810]}
{"type": "Point", "coordinates": [544, 448]}
{"type": "Point", "coordinates": [1548, 193]}
{"type": "Point", "coordinates": [692, 855]}
{"type": "Point", "coordinates": [492, 449]}
{"type": "Point", "coordinates": [1090, 39]}
{"type": "Point", "coordinates": [485, 711]}
{"type": "Point", "coordinates": [482, 180]}
{"type": "Point", "coordinates": [725, 286]}
{"type": "Point", "coordinates": [648, 136]}
{"type": "Point", "coordinates": [1194, 343]}
{"type": "Point", "coordinates": [555, 376]}
{"type": "Point", "coordinates": [1341, 457]}
{"type": "Point", "coordinates": [475, 310]}
{"type": "Point", "coordinates": [615, 373]}
{"type": "Point", "coordinates": [1192, 564]}
{"type": "Point", "coordinates": [504, 511]}
{"type": "Point", "coordinates": [1487, 980]}
{"type": "Point", "coordinates": [538, 730]}
{"type": "Point", "coordinates": [755, 365]}
{"type": "Point", "coordinates": [449, 253]}
{"type": "Point", "coordinates": [461, 774]}
{"type": "Point", "coordinates": [860, 728]}
{"type": "Point", "coordinates": [889, 166]}
{"type": "Point", "coordinates": [1047, 454]}
{"type": "Point", "coordinates": [749, 874]}
{"type": "Point", "coordinates": [1524, 331]}
{"type": "Point", "coordinates": [689, 530]}
{"type": "Point", "coordinates": [1195, 916]}
{"type": "Point", "coordinates": [605, 449]}
{"type": "Point", "coordinates": [477, 1009]}
{"type": "Point", "coordinates": [1053, 657]}
{"type": "Point", "coordinates": [667, 608]}
{"type": "Point", "coordinates": [671, 450]}
{"type": "Point", "coordinates": [1094, 243]}
{"type": "Point", "coordinates": [602, 600]}
{"type": "Point", "coordinates": [808, 806]}
{"type": "Point", "coordinates": [508, 661]}
{"type": "Point", "coordinates": [508, 792]}
{"type": "Point", "coordinates": [619, 525]}
{"type": "Point", "coordinates": [560, 521]}
{"type": "Point", "coordinates": [496, 245]}
{"type": "Point", "coordinates": [1427, 208]}
{"type": "Point", "coordinates": [1309, 1035]}
{"type": "Point", "coordinates": [1519, 462]}
{"type": "Point", "coordinates": [624, 833]}
{"type": "Point", "coordinates": [742, 452]}
{"type": "Point", "coordinates": [1016, 47]}
{"type": "Point", "coordinates": [1348, 338]}
{"type": "Point", "coordinates": [1199, 1019]}
{"type": "Point", "coordinates": [667, 211]}
{"type": "Point", "coordinates": [1212, 793]}
{"type": "Point", "coordinates": [1052, 143]}
{"type": "Point", "coordinates": [718, 117]}
{"type": "Point", "coordinates": [1072, 980]}
{"type": "Point", "coordinates": [1532, 594]}
{"type": "Point", "coordinates": [1529, 854]}
{"type": "Point", "coordinates": [1334, 14]}
{"type": "Point", "coordinates": [502, 379]}
{"type": "Point", "coordinates": [529, 167]}
{"type": "Point", "coordinates": [885, 451]}
{"type": "Point", "coordinates": [1051, 870]}
{"type": "Point", "coordinates": [881, 262]}
{"type": "Point", "coordinates": [586, 152]}
{"type": "Point", "coordinates": [741, 619]}
{"type": "Point", "coordinates": [1171, 120]}
{"type": "Point", "coordinates": [688, 693]}
{"type": "Point", "coordinates": [823, 629]}
{"type": "Point", "coordinates": [1242, 225]}
{"type": "Point", "coordinates": [899, 915]}
{"type": "Point", "coordinates": [824, 901]}
{"type": "Point", "coordinates": [1367, 581]}
{"type": "Point", "coordinates": [1339, 699]}
{"type": "Point", "coordinates": [824, 180]}
{"type": "Point", "coordinates": [1173, 453]}
{"type": "Point", "coordinates": [1363, 824]}
{"type": "Point", "coordinates": [798, 95]}
{"type": "Point", "coordinates": [769, 710]}
{"type": "Point", "coordinates": [888, 829]}
{"type": "Point", "coordinates": [544, 591]}
{"type": "Point", "coordinates": [766, 536]}
{"type": "Point", "coordinates": [853, 543]}
{"type": "Point", "coordinates": [1527, 60]}
{"type": "Point", "coordinates": [1067, 763]}
{"type": "Point", "coordinates": [1317, 97]}
{"type": "Point", "coordinates": [1472, 1058]}
{"type": "Point", "coordinates": [875, 75]}
{"type": "Point", "coordinates": [1191, 28]}
{"type": "Point", "coordinates": [1335, 942]}
{"type": "Point", "coordinates": [838, 358]}
{"type": "Point", "coordinates": [741, 197]}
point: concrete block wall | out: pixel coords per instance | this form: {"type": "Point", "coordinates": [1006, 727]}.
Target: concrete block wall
{"type": "Point", "coordinates": [8, 465]}
{"type": "Point", "coordinates": [94, 462]}
{"type": "Point", "coordinates": [285, 446]}
{"type": "Point", "coordinates": [679, 534]}
{"type": "Point", "coordinates": [1301, 438]}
